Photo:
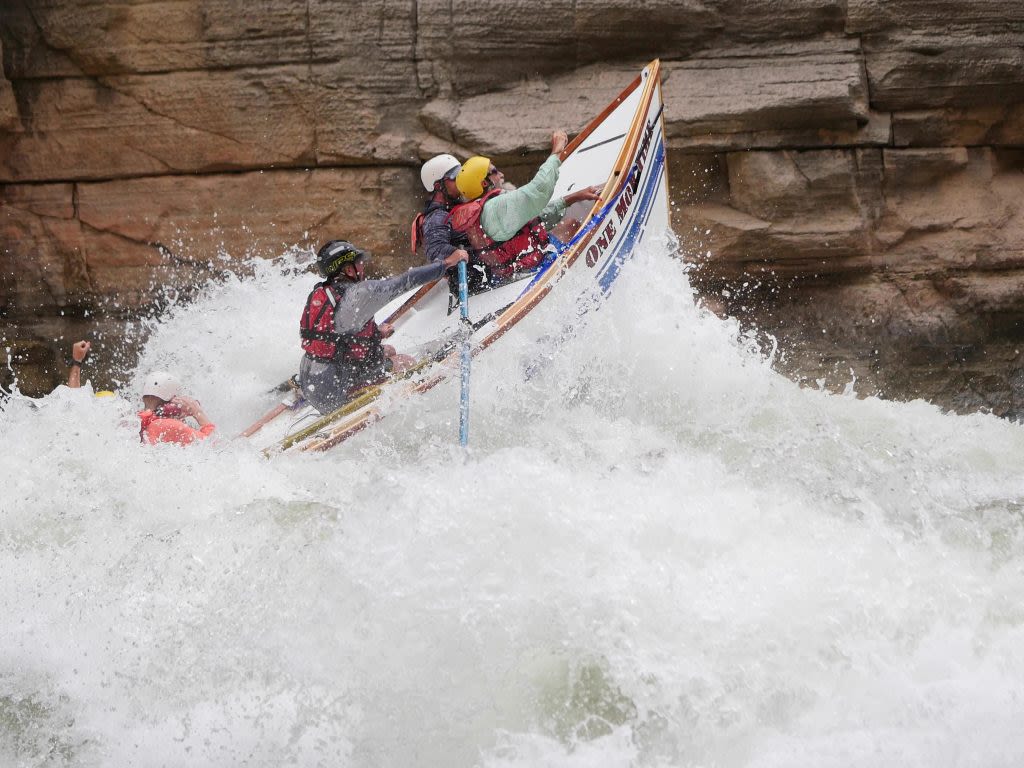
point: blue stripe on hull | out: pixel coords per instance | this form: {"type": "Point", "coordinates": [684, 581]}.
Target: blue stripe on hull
{"type": "Point", "coordinates": [639, 217]}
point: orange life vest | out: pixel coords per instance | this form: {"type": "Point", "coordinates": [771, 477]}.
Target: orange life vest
{"type": "Point", "coordinates": [158, 427]}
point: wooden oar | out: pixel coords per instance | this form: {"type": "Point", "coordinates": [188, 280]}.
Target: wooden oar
{"type": "Point", "coordinates": [408, 303]}
{"type": "Point", "coordinates": [265, 419]}
{"type": "Point", "coordinates": [291, 400]}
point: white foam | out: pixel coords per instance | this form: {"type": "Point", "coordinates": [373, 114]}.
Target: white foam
{"type": "Point", "coordinates": [658, 552]}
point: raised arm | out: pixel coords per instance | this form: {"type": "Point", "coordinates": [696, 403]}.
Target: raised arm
{"type": "Point", "coordinates": [363, 299]}
{"type": "Point", "coordinates": [79, 351]}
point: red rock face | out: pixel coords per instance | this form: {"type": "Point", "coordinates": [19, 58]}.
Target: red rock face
{"type": "Point", "coordinates": [850, 167]}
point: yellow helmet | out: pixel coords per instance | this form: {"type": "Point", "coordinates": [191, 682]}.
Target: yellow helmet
{"type": "Point", "coordinates": [470, 180]}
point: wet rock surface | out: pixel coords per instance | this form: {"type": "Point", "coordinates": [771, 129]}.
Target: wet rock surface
{"type": "Point", "coordinates": [847, 177]}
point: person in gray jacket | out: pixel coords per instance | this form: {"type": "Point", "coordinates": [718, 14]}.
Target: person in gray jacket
{"type": "Point", "coordinates": [340, 338]}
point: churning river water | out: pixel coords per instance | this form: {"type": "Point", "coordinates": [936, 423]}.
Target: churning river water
{"type": "Point", "coordinates": [657, 552]}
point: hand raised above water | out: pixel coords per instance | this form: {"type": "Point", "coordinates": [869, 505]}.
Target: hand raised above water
{"type": "Point", "coordinates": [79, 350]}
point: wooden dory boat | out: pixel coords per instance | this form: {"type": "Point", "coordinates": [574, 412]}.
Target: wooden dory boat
{"type": "Point", "coordinates": [623, 149]}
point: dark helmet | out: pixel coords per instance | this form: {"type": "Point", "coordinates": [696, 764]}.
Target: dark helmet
{"type": "Point", "coordinates": [337, 253]}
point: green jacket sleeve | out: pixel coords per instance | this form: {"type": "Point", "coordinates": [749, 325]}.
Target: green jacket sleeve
{"type": "Point", "coordinates": [507, 213]}
{"type": "Point", "coordinates": [553, 212]}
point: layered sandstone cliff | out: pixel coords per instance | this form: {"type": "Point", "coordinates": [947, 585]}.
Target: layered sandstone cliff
{"type": "Point", "coordinates": [846, 175]}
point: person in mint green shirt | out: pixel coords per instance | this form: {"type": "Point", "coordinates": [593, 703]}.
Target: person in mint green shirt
{"type": "Point", "coordinates": [507, 230]}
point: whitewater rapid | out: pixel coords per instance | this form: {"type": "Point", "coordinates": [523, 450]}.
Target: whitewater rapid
{"type": "Point", "coordinates": [657, 552]}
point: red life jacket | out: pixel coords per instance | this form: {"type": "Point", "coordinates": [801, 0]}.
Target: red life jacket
{"type": "Point", "coordinates": [321, 342]}
{"type": "Point", "coordinates": [524, 250]}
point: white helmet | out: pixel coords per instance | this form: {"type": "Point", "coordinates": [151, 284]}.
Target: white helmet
{"type": "Point", "coordinates": [160, 384]}
{"type": "Point", "coordinates": [437, 168]}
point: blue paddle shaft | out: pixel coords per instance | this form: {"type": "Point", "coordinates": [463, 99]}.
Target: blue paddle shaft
{"type": "Point", "coordinates": [463, 291]}
{"type": "Point", "coordinates": [464, 394]}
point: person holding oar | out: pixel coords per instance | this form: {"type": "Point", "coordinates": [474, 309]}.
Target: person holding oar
{"type": "Point", "coordinates": [342, 343]}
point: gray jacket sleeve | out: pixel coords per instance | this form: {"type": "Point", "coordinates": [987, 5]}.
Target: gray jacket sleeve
{"type": "Point", "coordinates": [437, 235]}
{"type": "Point", "coordinates": [363, 299]}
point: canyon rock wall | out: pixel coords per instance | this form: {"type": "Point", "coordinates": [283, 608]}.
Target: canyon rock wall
{"type": "Point", "coordinates": [846, 176]}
